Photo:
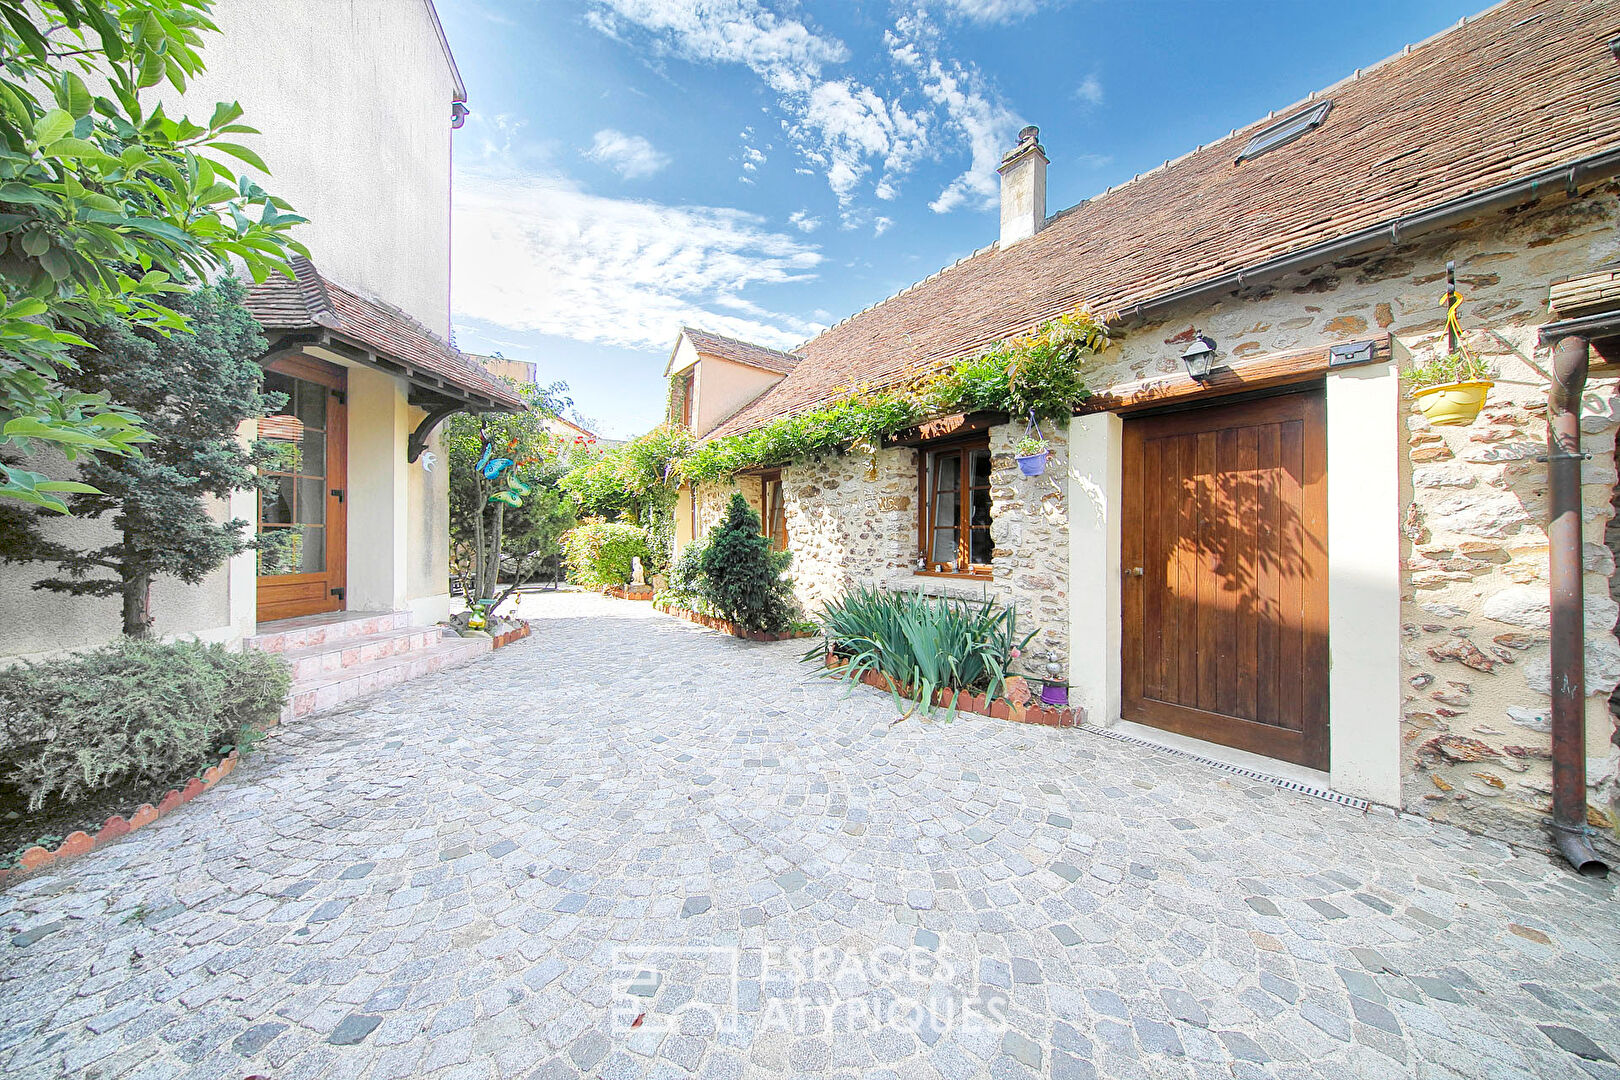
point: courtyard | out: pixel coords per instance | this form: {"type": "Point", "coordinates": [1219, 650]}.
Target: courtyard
{"type": "Point", "coordinates": [573, 859]}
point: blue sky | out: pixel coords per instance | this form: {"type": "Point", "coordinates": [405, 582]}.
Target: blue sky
{"type": "Point", "coordinates": [764, 168]}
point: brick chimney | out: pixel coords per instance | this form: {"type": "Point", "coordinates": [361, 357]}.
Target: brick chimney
{"type": "Point", "coordinates": [1023, 188]}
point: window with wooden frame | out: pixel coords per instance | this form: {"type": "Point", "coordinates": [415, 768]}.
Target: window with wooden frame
{"type": "Point", "coordinates": [773, 519]}
{"type": "Point", "coordinates": [680, 399]}
{"type": "Point", "coordinates": [954, 498]}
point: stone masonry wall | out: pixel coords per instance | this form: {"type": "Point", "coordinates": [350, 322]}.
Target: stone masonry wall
{"type": "Point", "coordinates": [852, 520]}
{"type": "Point", "coordinates": [1474, 573]}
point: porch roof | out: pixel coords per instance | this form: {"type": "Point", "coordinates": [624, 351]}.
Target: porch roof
{"type": "Point", "coordinates": [377, 334]}
{"type": "Point", "coordinates": [1504, 96]}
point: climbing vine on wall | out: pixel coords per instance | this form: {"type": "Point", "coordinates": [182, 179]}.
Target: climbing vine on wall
{"type": "Point", "coordinates": [1041, 372]}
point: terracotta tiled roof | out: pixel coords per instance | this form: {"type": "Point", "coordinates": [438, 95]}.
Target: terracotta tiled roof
{"type": "Point", "coordinates": [1528, 85]}
{"type": "Point", "coordinates": [312, 301]}
{"type": "Point", "coordinates": [741, 352]}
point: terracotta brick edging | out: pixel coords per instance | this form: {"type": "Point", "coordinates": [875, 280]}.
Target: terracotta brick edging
{"type": "Point", "coordinates": [730, 627]}
{"type": "Point", "coordinates": [629, 592]}
{"type": "Point", "coordinates": [79, 842]}
{"type": "Point", "coordinates": [998, 709]}
{"type": "Point", "coordinates": [507, 637]}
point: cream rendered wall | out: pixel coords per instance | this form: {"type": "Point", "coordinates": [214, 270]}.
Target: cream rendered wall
{"type": "Point", "coordinates": [352, 98]}
{"type": "Point", "coordinates": [721, 388]}
{"type": "Point", "coordinates": [428, 545]}
{"type": "Point", "coordinates": [379, 508]}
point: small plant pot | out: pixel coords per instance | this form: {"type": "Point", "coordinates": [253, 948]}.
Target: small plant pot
{"type": "Point", "coordinates": [1452, 404]}
{"type": "Point", "coordinates": [1055, 693]}
{"type": "Point", "coordinates": [1034, 464]}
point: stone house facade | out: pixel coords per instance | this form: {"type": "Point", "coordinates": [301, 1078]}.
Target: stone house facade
{"type": "Point", "coordinates": [1383, 581]}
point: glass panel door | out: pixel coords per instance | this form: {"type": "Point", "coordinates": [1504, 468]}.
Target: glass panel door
{"type": "Point", "coordinates": [294, 513]}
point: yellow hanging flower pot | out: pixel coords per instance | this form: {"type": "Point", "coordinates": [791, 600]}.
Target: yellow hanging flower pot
{"type": "Point", "coordinates": [1451, 389]}
{"type": "Point", "coordinates": [1453, 404]}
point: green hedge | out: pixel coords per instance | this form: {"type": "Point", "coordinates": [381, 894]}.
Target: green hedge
{"type": "Point", "coordinates": [133, 712]}
{"type": "Point", "coordinates": [599, 553]}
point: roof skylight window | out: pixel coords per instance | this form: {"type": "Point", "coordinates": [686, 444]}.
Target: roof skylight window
{"type": "Point", "coordinates": [1285, 130]}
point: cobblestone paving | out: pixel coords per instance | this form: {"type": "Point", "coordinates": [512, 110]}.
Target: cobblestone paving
{"type": "Point", "coordinates": [497, 870]}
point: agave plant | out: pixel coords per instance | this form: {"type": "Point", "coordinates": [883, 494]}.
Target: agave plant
{"type": "Point", "coordinates": [923, 644]}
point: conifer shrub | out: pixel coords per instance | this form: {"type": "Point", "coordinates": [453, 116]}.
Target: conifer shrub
{"type": "Point", "coordinates": [135, 712]}
{"type": "Point", "coordinates": [742, 577]}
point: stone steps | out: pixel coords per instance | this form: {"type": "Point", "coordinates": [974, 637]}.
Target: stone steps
{"type": "Point", "coordinates": [290, 634]}
{"type": "Point", "coordinates": [336, 689]}
{"type": "Point", "coordinates": [339, 659]}
{"type": "Point", "coordinates": [313, 661]}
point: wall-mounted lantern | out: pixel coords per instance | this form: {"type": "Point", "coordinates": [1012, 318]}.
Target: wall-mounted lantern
{"type": "Point", "coordinates": [1199, 357]}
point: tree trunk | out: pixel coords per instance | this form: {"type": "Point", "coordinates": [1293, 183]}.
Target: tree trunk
{"type": "Point", "coordinates": [478, 544]}
{"type": "Point", "coordinates": [137, 620]}
{"type": "Point", "coordinates": [491, 582]}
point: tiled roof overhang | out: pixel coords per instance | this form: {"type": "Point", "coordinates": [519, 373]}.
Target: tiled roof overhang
{"type": "Point", "coordinates": [311, 310]}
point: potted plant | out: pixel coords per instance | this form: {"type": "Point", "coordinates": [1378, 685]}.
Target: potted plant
{"type": "Point", "coordinates": [1032, 453]}
{"type": "Point", "coordinates": [1451, 389]}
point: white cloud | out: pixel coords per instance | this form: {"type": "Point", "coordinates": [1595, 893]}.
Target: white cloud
{"type": "Point", "coordinates": [842, 127]}
{"type": "Point", "coordinates": [881, 226]}
{"type": "Point", "coordinates": [973, 110]}
{"type": "Point", "coordinates": [853, 133]}
{"type": "Point", "coordinates": [631, 156]}
{"type": "Point", "coordinates": [533, 253]}
{"type": "Point", "coordinates": [843, 124]}
{"type": "Point", "coordinates": [992, 10]}
{"type": "Point", "coordinates": [784, 51]}
{"type": "Point", "coordinates": [1090, 90]}
{"type": "Point", "coordinates": [803, 221]}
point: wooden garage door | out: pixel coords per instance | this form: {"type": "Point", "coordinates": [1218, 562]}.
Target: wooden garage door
{"type": "Point", "coordinates": [1224, 551]}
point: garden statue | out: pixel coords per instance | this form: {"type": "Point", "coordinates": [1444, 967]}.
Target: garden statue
{"type": "Point", "coordinates": [638, 576]}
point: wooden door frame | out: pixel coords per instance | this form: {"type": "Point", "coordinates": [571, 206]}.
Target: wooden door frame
{"type": "Point", "coordinates": [333, 581]}
{"type": "Point", "coordinates": [1310, 746]}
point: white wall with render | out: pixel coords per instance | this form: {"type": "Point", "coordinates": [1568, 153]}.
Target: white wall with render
{"type": "Point", "coordinates": [352, 99]}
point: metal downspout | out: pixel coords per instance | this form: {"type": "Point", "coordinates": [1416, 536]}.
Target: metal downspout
{"type": "Point", "coordinates": [1569, 829]}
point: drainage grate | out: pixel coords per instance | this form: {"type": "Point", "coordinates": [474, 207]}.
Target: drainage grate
{"type": "Point", "coordinates": [1291, 785]}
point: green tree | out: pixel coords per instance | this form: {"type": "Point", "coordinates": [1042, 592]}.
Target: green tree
{"type": "Point", "coordinates": [106, 207]}
{"type": "Point", "coordinates": [741, 576]}
{"type": "Point", "coordinates": [638, 481]}
{"type": "Point", "coordinates": [192, 390]}
{"type": "Point", "coordinates": [483, 529]}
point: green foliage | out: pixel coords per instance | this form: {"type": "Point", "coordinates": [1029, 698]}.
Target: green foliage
{"type": "Point", "coordinates": [134, 712]}
{"type": "Point", "coordinates": [623, 480]}
{"type": "Point", "coordinates": [740, 576]}
{"type": "Point", "coordinates": [685, 587]}
{"type": "Point", "coordinates": [481, 532]}
{"type": "Point", "coordinates": [1040, 373]}
{"type": "Point", "coordinates": [637, 482]}
{"type": "Point", "coordinates": [861, 418]}
{"type": "Point", "coordinates": [105, 207]}
{"type": "Point", "coordinates": [599, 552]}
{"type": "Point", "coordinates": [922, 643]}
{"type": "Point", "coordinates": [192, 391]}
{"type": "Point", "coordinates": [1029, 446]}
{"type": "Point", "coordinates": [1460, 366]}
